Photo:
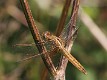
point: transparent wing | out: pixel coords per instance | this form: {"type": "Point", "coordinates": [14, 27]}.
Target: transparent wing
{"type": "Point", "coordinates": [64, 35]}
{"type": "Point", "coordinates": [29, 51]}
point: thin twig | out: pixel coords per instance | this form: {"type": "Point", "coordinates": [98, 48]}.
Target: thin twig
{"type": "Point", "coordinates": [61, 22]}
{"type": "Point", "coordinates": [37, 38]}
{"type": "Point", "coordinates": [69, 41]}
{"type": "Point", "coordinates": [72, 25]}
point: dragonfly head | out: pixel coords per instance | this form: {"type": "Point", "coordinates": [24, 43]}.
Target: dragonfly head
{"type": "Point", "coordinates": [46, 35]}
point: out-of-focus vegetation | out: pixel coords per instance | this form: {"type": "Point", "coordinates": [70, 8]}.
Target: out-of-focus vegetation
{"type": "Point", "coordinates": [46, 13]}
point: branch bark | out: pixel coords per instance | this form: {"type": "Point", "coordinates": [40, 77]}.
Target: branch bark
{"type": "Point", "coordinates": [61, 22]}
{"type": "Point", "coordinates": [69, 39]}
{"type": "Point", "coordinates": [37, 38]}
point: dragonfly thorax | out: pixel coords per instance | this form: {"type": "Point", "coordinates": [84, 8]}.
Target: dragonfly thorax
{"type": "Point", "coordinates": [49, 37]}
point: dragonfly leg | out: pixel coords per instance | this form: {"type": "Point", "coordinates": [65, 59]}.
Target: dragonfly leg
{"type": "Point", "coordinates": [23, 45]}
{"type": "Point", "coordinates": [28, 58]}
{"type": "Point", "coordinates": [29, 44]}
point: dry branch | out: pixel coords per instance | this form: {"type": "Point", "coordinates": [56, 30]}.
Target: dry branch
{"type": "Point", "coordinates": [37, 38]}
{"type": "Point", "coordinates": [61, 22]}
{"type": "Point", "coordinates": [69, 41]}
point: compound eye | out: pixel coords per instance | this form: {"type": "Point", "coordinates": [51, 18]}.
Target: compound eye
{"type": "Point", "coordinates": [47, 33]}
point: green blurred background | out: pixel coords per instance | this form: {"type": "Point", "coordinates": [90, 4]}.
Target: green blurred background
{"type": "Point", "coordinates": [86, 48]}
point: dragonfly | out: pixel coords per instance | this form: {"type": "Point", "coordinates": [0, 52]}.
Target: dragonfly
{"type": "Point", "coordinates": [59, 44]}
